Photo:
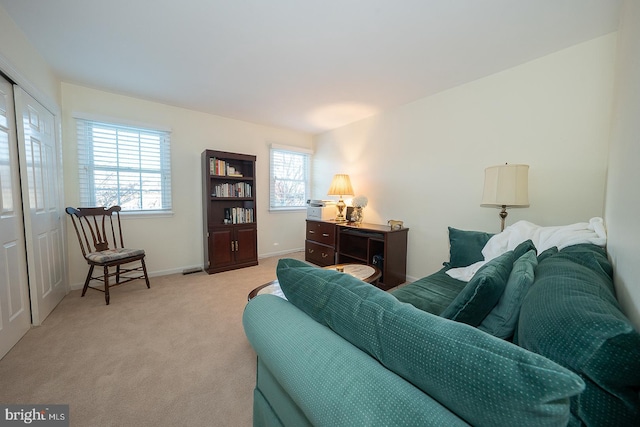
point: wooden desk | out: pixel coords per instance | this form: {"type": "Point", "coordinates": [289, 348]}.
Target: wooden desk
{"type": "Point", "coordinates": [360, 244]}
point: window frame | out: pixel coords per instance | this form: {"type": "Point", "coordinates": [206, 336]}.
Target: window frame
{"type": "Point", "coordinates": [308, 154]}
{"type": "Point", "coordinates": [87, 165]}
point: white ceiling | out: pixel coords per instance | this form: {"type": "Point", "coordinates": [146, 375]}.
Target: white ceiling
{"type": "Point", "coordinates": [309, 65]}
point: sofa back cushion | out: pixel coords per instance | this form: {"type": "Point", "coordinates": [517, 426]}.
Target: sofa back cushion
{"type": "Point", "coordinates": [433, 293]}
{"type": "Point", "coordinates": [482, 379]}
{"type": "Point", "coordinates": [571, 315]}
{"type": "Point", "coordinates": [310, 376]}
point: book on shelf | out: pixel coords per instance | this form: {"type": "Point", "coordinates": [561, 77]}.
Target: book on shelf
{"type": "Point", "coordinates": [219, 167]}
{"type": "Point", "coordinates": [241, 215]}
{"type": "Point", "coordinates": [238, 189]}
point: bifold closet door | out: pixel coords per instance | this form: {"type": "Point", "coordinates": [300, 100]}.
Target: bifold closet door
{"type": "Point", "coordinates": [40, 173]}
{"type": "Point", "coordinates": [15, 315]}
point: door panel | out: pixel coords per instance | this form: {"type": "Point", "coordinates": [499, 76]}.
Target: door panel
{"type": "Point", "coordinates": [15, 315]}
{"type": "Point", "coordinates": [246, 245]}
{"type": "Point", "coordinates": [40, 166]}
{"type": "Point", "coordinates": [220, 248]}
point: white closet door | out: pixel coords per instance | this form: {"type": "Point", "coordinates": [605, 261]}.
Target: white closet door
{"type": "Point", "coordinates": [15, 315]}
{"type": "Point", "coordinates": [43, 214]}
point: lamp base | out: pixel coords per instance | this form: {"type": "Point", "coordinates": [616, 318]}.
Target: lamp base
{"type": "Point", "coordinates": [503, 215]}
{"type": "Point", "coordinates": [340, 205]}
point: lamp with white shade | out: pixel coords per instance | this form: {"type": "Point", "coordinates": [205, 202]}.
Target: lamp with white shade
{"type": "Point", "coordinates": [506, 186]}
{"type": "Point", "coordinates": [340, 186]}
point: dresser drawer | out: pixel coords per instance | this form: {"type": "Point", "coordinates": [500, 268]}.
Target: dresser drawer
{"type": "Point", "coordinates": [321, 232]}
{"type": "Point", "coordinates": [319, 254]}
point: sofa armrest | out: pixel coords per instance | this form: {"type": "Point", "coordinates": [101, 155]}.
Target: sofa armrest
{"type": "Point", "coordinates": [331, 381]}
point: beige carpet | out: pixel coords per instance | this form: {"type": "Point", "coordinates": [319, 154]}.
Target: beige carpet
{"type": "Point", "coordinates": [172, 355]}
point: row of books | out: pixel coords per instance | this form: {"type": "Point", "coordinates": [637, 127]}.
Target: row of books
{"type": "Point", "coordinates": [238, 189]}
{"type": "Point", "coordinates": [221, 168]}
{"type": "Point", "coordinates": [238, 215]}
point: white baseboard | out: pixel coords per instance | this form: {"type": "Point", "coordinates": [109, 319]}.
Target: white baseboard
{"type": "Point", "coordinates": [272, 254]}
{"type": "Point", "coordinates": [179, 270]}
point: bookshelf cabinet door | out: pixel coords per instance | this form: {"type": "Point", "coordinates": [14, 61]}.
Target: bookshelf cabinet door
{"type": "Point", "coordinates": [246, 245]}
{"type": "Point", "coordinates": [220, 248]}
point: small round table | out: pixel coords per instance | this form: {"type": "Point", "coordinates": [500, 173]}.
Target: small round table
{"type": "Point", "coordinates": [366, 273]}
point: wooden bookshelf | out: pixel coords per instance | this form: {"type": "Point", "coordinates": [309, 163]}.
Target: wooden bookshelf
{"type": "Point", "coordinates": [229, 210]}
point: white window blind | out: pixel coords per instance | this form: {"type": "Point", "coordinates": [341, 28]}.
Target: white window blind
{"type": "Point", "coordinates": [289, 178]}
{"type": "Point", "coordinates": [124, 165]}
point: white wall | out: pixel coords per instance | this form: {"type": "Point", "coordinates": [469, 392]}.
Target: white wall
{"type": "Point", "coordinates": [22, 63]}
{"type": "Point", "coordinates": [173, 243]}
{"type": "Point", "coordinates": [623, 197]}
{"type": "Point", "coordinates": [424, 162]}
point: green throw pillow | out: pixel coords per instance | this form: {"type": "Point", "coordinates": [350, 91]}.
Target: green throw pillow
{"type": "Point", "coordinates": [482, 379]}
{"type": "Point", "coordinates": [482, 292]}
{"type": "Point", "coordinates": [465, 247]}
{"type": "Point", "coordinates": [501, 321]}
{"type": "Point", "coordinates": [523, 248]}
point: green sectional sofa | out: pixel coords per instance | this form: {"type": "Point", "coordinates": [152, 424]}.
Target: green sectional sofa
{"type": "Point", "coordinates": [532, 339]}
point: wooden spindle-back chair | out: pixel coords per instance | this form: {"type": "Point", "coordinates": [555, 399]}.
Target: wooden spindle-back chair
{"type": "Point", "coordinates": [100, 235]}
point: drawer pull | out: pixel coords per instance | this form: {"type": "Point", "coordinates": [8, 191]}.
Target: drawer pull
{"type": "Point", "coordinates": [310, 251]}
{"type": "Point", "coordinates": [312, 232]}
{"type": "Point", "coordinates": [324, 255]}
{"type": "Point", "coordinates": [325, 235]}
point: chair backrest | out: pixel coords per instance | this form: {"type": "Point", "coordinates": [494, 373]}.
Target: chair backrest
{"type": "Point", "coordinates": [98, 229]}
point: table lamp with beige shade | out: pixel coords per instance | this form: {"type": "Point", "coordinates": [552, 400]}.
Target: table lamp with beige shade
{"type": "Point", "coordinates": [340, 186]}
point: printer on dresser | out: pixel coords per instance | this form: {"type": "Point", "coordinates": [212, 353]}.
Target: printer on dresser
{"type": "Point", "coordinates": [329, 242]}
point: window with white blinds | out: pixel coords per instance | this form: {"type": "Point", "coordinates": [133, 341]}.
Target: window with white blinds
{"type": "Point", "coordinates": [289, 177]}
{"type": "Point", "coordinates": [124, 165]}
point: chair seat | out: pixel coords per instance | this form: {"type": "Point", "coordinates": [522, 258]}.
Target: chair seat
{"type": "Point", "coordinates": [113, 255]}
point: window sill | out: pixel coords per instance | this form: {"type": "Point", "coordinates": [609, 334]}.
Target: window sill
{"type": "Point", "coordinates": [146, 214]}
{"type": "Point", "coordinates": [287, 210]}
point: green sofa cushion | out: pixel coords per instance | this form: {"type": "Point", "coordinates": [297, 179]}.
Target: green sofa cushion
{"type": "Point", "coordinates": [547, 253]}
{"type": "Point", "coordinates": [571, 316]}
{"type": "Point", "coordinates": [482, 292]}
{"type": "Point", "coordinates": [501, 320]}
{"type": "Point", "coordinates": [309, 375]}
{"type": "Point", "coordinates": [482, 379]}
{"type": "Point", "coordinates": [465, 247]}
{"type": "Point", "coordinates": [432, 294]}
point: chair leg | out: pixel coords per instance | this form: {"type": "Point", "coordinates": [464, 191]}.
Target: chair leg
{"type": "Point", "coordinates": [117, 274]}
{"type": "Point", "coordinates": [86, 282]}
{"type": "Point", "coordinates": [144, 269]}
{"type": "Point", "coordinates": [106, 284]}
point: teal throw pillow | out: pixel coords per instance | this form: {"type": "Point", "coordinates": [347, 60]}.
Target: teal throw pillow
{"type": "Point", "coordinates": [465, 247]}
{"type": "Point", "coordinates": [502, 319]}
{"type": "Point", "coordinates": [523, 248]}
{"type": "Point", "coordinates": [480, 378]}
{"type": "Point", "coordinates": [482, 292]}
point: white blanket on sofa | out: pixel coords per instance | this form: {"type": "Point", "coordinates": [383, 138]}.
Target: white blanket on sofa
{"type": "Point", "coordinates": [542, 237]}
